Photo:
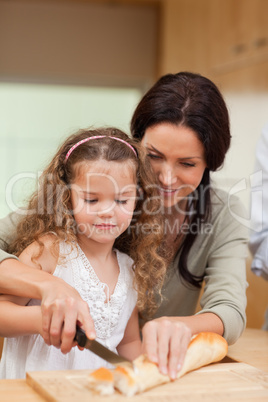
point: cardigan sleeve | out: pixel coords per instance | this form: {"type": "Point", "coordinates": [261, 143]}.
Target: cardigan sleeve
{"type": "Point", "coordinates": [225, 273]}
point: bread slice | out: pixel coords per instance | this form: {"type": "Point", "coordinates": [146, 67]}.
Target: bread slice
{"type": "Point", "coordinates": [145, 376]}
{"type": "Point", "coordinates": [102, 381]}
{"type": "Point", "coordinates": [204, 348]}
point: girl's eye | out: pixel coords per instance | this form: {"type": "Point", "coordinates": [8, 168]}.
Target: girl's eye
{"type": "Point", "coordinates": [91, 201]}
{"type": "Point", "coordinates": [121, 201]}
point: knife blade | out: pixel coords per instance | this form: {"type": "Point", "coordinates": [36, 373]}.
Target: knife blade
{"type": "Point", "coordinates": [100, 350]}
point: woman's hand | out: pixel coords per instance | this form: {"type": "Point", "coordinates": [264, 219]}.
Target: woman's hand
{"type": "Point", "coordinates": [165, 342]}
{"type": "Point", "coordinates": [62, 308]}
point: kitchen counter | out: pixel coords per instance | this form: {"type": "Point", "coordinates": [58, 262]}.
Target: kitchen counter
{"type": "Point", "coordinates": [251, 349]}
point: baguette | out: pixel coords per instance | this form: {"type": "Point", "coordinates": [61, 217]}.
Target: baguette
{"type": "Point", "coordinates": [204, 348]}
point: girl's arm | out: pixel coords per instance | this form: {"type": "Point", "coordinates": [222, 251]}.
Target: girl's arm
{"type": "Point", "coordinates": [130, 346]}
{"type": "Point", "coordinates": [17, 320]}
{"type": "Point", "coordinates": [165, 339]}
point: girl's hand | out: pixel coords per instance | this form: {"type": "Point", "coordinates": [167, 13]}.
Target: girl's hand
{"type": "Point", "coordinates": [62, 308]}
{"type": "Point", "coordinates": [165, 342]}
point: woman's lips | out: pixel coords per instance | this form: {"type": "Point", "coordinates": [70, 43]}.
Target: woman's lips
{"type": "Point", "coordinates": [167, 192]}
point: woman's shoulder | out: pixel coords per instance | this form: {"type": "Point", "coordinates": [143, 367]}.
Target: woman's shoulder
{"type": "Point", "coordinates": [228, 210]}
{"type": "Point", "coordinates": [220, 196]}
{"type": "Point", "coordinates": [221, 199]}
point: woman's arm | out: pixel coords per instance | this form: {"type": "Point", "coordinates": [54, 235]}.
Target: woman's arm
{"type": "Point", "coordinates": [223, 300]}
{"type": "Point", "coordinates": [15, 317]}
{"type": "Point", "coordinates": [60, 302]}
{"type": "Point", "coordinates": [61, 305]}
{"type": "Point", "coordinates": [130, 346]}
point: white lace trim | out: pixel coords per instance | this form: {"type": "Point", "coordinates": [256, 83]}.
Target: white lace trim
{"type": "Point", "coordinates": [105, 314]}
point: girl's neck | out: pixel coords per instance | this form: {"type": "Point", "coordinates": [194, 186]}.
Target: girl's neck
{"type": "Point", "coordinates": [95, 251]}
{"type": "Point", "coordinates": [103, 260]}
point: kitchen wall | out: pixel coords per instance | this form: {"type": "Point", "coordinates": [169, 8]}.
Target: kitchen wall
{"type": "Point", "coordinates": [65, 65]}
{"type": "Point", "coordinates": [36, 118]}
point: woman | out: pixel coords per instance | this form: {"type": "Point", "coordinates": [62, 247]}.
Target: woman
{"type": "Point", "coordinates": [183, 123]}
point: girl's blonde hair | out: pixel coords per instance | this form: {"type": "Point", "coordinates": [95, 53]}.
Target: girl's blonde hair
{"type": "Point", "coordinates": [49, 209]}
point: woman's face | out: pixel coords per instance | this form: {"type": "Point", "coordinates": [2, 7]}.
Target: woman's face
{"type": "Point", "coordinates": [178, 159]}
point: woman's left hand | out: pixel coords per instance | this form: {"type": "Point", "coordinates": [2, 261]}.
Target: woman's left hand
{"type": "Point", "coordinates": [165, 341]}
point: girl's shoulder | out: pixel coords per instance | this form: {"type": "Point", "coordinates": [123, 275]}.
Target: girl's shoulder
{"type": "Point", "coordinates": [124, 260]}
{"type": "Point", "coordinates": [42, 254]}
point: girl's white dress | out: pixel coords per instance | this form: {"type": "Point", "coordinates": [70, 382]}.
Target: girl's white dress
{"type": "Point", "coordinates": [30, 353]}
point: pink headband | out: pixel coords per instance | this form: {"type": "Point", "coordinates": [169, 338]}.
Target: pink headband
{"type": "Point", "coordinates": [95, 138]}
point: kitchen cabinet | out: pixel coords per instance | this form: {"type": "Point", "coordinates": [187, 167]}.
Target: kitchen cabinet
{"type": "Point", "coordinates": [225, 40]}
{"type": "Point", "coordinates": [239, 34]}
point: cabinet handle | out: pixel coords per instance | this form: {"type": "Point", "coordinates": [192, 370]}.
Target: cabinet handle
{"type": "Point", "coordinates": [239, 48]}
{"type": "Point", "coordinates": [260, 42]}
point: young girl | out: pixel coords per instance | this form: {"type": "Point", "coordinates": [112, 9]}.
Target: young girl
{"type": "Point", "coordinates": [94, 199]}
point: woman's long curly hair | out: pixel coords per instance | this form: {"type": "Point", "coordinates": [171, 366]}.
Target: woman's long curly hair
{"type": "Point", "coordinates": [193, 101]}
{"type": "Point", "coordinates": [50, 211]}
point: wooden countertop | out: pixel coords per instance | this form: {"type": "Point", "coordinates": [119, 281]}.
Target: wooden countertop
{"type": "Point", "coordinates": [251, 348]}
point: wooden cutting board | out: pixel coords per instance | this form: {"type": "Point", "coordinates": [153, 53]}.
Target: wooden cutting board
{"type": "Point", "coordinates": [230, 382]}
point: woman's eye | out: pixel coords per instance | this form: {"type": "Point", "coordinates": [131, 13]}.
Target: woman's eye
{"type": "Point", "coordinates": [153, 156]}
{"type": "Point", "coordinates": [188, 165]}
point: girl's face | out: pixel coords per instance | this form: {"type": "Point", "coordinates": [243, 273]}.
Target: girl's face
{"type": "Point", "coordinates": [103, 197]}
{"type": "Point", "coordinates": [178, 159]}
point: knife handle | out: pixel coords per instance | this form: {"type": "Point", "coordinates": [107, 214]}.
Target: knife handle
{"type": "Point", "coordinates": [80, 337]}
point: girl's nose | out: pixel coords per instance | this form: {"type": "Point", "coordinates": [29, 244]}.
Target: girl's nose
{"type": "Point", "coordinates": [106, 210]}
{"type": "Point", "coordinates": [167, 176]}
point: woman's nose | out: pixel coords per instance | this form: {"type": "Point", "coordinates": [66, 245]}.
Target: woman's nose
{"type": "Point", "coordinates": [167, 176]}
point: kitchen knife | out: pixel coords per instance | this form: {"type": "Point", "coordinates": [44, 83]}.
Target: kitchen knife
{"type": "Point", "coordinates": [99, 349]}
